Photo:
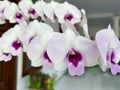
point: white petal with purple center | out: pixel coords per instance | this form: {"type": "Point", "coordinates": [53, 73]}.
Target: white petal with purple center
{"type": "Point", "coordinates": [10, 12]}
{"type": "Point", "coordinates": [89, 50]}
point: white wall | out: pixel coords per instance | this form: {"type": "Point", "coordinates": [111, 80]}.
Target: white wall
{"type": "Point", "coordinates": [22, 82]}
{"type": "Point", "coordinates": [98, 24]}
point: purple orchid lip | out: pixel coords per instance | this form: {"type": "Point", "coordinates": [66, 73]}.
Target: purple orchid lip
{"type": "Point", "coordinates": [110, 57]}
{"type": "Point", "coordinates": [74, 57]}
{"type": "Point", "coordinates": [32, 11]}
{"type": "Point", "coordinates": [46, 57]}
{"type": "Point", "coordinates": [6, 54]}
{"type": "Point", "coordinates": [19, 16]}
{"type": "Point", "coordinates": [17, 44]}
{"type": "Point", "coordinates": [113, 62]}
{"type": "Point", "coordinates": [68, 17]}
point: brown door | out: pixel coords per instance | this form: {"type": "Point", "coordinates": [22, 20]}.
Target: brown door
{"type": "Point", "coordinates": [7, 69]}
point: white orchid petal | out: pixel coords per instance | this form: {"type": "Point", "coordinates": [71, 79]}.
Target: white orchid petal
{"type": "Point", "coordinates": [45, 28]}
{"type": "Point", "coordinates": [16, 52]}
{"type": "Point", "coordinates": [57, 44]}
{"type": "Point", "coordinates": [89, 50]}
{"type": "Point", "coordinates": [106, 39]}
{"type": "Point", "coordinates": [4, 4]}
{"type": "Point", "coordinates": [102, 64]}
{"type": "Point", "coordinates": [38, 46]}
{"type": "Point", "coordinates": [25, 5]}
{"type": "Point", "coordinates": [7, 40]}
{"type": "Point", "coordinates": [61, 66]}
{"type": "Point", "coordinates": [1, 59]}
{"type": "Point", "coordinates": [6, 57]}
{"type": "Point", "coordinates": [32, 28]}
{"type": "Point", "coordinates": [71, 69]}
{"type": "Point", "coordinates": [37, 63]}
{"type": "Point", "coordinates": [35, 28]}
{"type": "Point", "coordinates": [117, 51]}
{"type": "Point", "coordinates": [39, 7]}
{"type": "Point", "coordinates": [30, 32]}
{"type": "Point", "coordinates": [83, 23]}
{"type": "Point", "coordinates": [10, 12]}
{"type": "Point", "coordinates": [70, 36]}
{"type": "Point", "coordinates": [103, 40]}
{"type": "Point", "coordinates": [60, 12]}
{"type": "Point", "coordinates": [66, 25]}
{"type": "Point", "coordinates": [75, 11]}
{"type": "Point", "coordinates": [47, 65]}
{"type": "Point", "coordinates": [12, 20]}
{"type": "Point", "coordinates": [49, 11]}
{"type": "Point", "coordinates": [34, 51]}
{"type": "Point", "coordinates": [2, 21]}
{"type": "Point", "coordinates": [80, 70]}
{"type": "Point", "coordinates": [114, 40]}
{"type": "Point", "coordinates": [18, 32]}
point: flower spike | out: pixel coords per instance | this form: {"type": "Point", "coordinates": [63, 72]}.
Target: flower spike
{"type": "Point", "coordinates": [54, 50]}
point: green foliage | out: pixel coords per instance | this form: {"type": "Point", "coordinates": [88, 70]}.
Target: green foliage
{"type": "Point", "coordinates": [41, 81]}
{"type": "Point", "coordinates": [35, 84]}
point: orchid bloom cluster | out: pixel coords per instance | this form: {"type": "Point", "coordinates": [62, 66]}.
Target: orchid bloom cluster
{"type": "Point", "coordinates": [26, 9]}
{"type": "Point", "coordinates": [54, 50]}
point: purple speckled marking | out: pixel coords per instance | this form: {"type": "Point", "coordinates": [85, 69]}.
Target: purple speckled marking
{"type": "Point", "coordinates": [74, 57]}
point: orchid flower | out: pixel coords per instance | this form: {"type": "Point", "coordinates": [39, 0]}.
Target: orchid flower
{"type": "Point", "coordinates": [27, 7]}
{"type": "Point", "coordinates": [13, 14]}
{"type": "Point", "coordinates": [82, 23]}
{"type": "Point", "coordinates": [39, 7]}
{"type": "Point", "coordinates": [11, 41]}
{"type": "Point", "coordinates": [33, 29]}
{"type": "Point", "coordinates": [68, 12]}
{"type": "Point", "coordinates": [66, 50]}
{"type": "Point", "coordinates": [109, 48]}
{"type": "Point", "coordinates": [37, 53]}
{"type": "Point", "coordinates": [5, 55]}
{"type": "Point", "coordinates": [49, 10]}
{"type": "Point", "coordinates": [3, 5]}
